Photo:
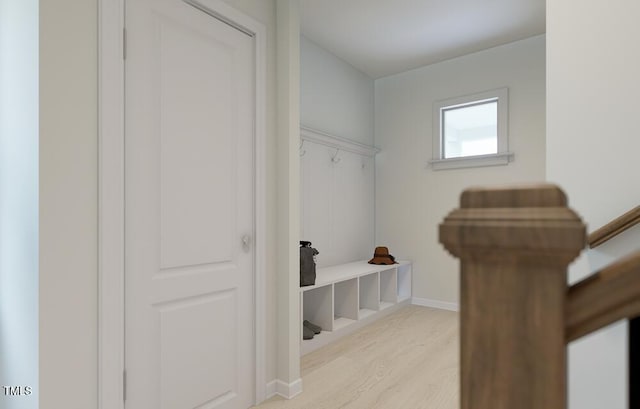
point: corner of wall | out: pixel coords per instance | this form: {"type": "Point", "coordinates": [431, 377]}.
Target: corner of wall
{"type": "Point", "coordinates": [288, 310]}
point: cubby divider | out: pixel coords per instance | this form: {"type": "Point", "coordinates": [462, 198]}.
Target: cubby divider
{"type": "Point", "coordinates": [345, 302]}
{"type": "Point", "coordinates": [369, 295]}
{"type": "Point", "coordinates": [388, 288]}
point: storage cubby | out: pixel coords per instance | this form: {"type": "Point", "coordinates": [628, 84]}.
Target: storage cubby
{"type": "Point", "coordinates": [347, 296]}
{"type": "Point", "coordinates": [318, 307]}
{"type": "Point", "coordinates": [369, 295]}
{"type": "Point", "coordinates": [345, 303]}
{"type": "Point", "coordinates": [388, 288]}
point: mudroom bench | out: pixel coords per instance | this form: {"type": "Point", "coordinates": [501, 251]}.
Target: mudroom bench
{"type": "Point", "coordinates": [348, 296]}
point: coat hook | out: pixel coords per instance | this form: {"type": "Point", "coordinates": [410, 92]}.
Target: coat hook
{"type": "Point", "coordinates": [335, 158]}
{"type": "Point", "coordinates": [302, 151]}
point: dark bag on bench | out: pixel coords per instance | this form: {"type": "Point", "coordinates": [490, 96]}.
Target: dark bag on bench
{"type": "Point", "coordinates": [307, 264]}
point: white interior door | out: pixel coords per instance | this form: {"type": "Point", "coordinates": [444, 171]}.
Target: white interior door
{"type": "Point", "coordinates": [189, 204]}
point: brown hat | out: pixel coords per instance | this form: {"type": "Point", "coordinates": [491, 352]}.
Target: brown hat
{"type": "Point", "coordinates": [382, 256]}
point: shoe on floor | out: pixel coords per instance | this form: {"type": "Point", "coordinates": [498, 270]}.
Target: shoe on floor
{"type": "Point", "coordinates": [313, 327]}
{"type": "Point", "coordinates": [307, 333]}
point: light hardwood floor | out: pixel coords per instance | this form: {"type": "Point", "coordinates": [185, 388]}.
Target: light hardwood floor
{"type": "Point", "coordinates": [407, 360]}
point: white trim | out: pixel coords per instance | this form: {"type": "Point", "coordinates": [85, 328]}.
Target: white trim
{"type": "Point", "coordinates": [271, 389]}
{"type": "Point", "coordinates": [111, 199]}
{"type": "Point", "coordinates": [287, 390]}
{"type": "Point", "coordinates": [280, 388]}
{"type": "Point", "coordinates": [210, 10]}
{"type": "Point", "coordinates": [260, 286]}
{"type": "Point", "coordinates": [332, 141]}
{"type": "Point", "coordinates": [110, 204]}
{"type": "Point", "coordinates": [478, 161]}
{"type": "Point", "coordinates": [441, 305]}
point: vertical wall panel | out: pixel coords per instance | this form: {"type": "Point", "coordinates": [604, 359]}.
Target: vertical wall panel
{"type": "Point", "coordinates": [337, 204]}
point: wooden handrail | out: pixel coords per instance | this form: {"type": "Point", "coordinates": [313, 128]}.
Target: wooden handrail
{"type": "Point", "coordinates": [615, 227]}
{"type": "Point", "coordinates": [610, 295]}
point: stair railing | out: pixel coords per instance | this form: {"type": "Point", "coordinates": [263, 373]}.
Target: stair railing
{"type": "Point", "coordinates": [614, 227]}
{"type": "Point", "coordinates": [517, 313]}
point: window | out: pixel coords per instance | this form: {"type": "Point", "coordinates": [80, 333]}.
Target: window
{"type": "Point", "coordinates": [471, 131]}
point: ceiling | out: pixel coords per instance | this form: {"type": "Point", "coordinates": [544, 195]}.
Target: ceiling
{"type": "Point", "coordinates": [385, 37]}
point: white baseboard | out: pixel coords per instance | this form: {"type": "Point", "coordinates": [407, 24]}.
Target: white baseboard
{"type": "Point", "coordinates": [270, 390]}
{"type": "Point", "coordinates": [442, 305]}
{"type": "Point", "coordinates": [286, 390]}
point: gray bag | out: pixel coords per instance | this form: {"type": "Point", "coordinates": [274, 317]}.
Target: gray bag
{"type": "Point", "coordinates": [307, 264]}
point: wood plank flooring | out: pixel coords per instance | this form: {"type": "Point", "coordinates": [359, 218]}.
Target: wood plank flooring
{"type": "Point", "coordinates": [407, 360]}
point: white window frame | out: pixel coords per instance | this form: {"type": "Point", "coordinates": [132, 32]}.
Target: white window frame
{"type": "Point", "coordinates": [502, 157]}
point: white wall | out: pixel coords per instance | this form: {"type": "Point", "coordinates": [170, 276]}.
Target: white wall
{"type": "Point", "coordinates": [337, 207]}
{"type": "Point", "coordinates": [334, 97]}
{"type": "Point", "coordinates": [19, 201]}
{"type": "Point", "coordinates": [411, 198]}
{"type": "Point", "coordinates": [593, 60]}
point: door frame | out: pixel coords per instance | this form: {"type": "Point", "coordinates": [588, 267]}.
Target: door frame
{"type": "Point", "coordinates": [111, 177]}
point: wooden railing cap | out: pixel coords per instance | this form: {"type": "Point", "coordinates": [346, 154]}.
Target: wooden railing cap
{"type": "Point", "coordinates": [536, 195]}
{"type": "Point", "coordinates": [525, 221]}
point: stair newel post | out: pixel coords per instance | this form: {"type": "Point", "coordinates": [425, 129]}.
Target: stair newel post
{"type": "Point", "coordinates": [514, 246]}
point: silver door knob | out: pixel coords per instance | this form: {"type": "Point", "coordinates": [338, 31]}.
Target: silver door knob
{"type": "Point", "coordinates": [246, 242]}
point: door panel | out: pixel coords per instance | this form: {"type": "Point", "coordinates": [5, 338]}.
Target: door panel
{"type": "Point", "coordinates": [189, 203]}
{"type": "Point", "coordinates": [204, 316]}
{"type": "Point", "coordinates": [195, 78]}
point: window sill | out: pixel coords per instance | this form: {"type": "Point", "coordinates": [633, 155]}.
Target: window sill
{"type": "Point", "coordinates": [472, 161]}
